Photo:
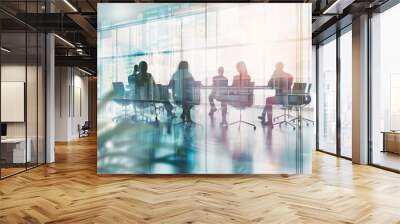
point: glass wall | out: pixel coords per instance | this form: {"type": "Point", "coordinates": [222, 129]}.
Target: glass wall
{"type": "Point", "coordinates": [385, 88]}
{"type": "Point", "coordinates": [22, 93]}
{"type": "Point", "coordinates": [346, 93]}
{"type": "Point", "coordinates": [327, 96]}
{"type": "Point", "coordinates": [147, 132]}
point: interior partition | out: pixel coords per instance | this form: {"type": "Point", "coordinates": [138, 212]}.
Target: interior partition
{"type": "Point", "coordinates": [22, 88]}
{"type": "Point", "coordinates": [186, 89]}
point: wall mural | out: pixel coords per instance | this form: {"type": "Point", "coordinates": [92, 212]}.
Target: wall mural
{"type": "Point", "coordinates": [204, 88]}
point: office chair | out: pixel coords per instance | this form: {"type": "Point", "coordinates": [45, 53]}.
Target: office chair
{"type": "Point", "coordinates": [303, 100]}
{"type": "Point", "coordinates": [241, 98]}
{"type": "Point", "coordinates": [218, 92]}
{"type": "Point", "coordinates": [291, 100]}
{"type": "Point", "coordinates": [283, 100]}
{"type": "Point", "coordinates": [282, 83]}
{"type": "Point", "coordinates": [144, 98]}
{"type": "Point", "coordinates": [188, 98]}
{"type": "Point", "coordinates": [84, 129]}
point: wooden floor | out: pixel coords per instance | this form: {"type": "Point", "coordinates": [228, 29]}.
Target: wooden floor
{"type": "Point", "coordinates": [70, 191]}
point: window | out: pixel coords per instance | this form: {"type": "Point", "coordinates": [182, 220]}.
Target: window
{"type": "Point", "coordinates": [22, 65]}
{"type": "Point", "coordinates": [327, 96]}
{"type": "Point", "coordinates": [346, 94]}
{"type": "Point", "coordinates": [385, 84]}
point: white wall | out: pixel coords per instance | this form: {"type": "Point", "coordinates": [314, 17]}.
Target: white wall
{"type": "Point", "coordinates": [33, 126]}
{"type": "Point", "coordinates": [71, 102]}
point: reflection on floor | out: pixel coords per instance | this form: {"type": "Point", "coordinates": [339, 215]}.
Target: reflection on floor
{"type": "Point", "coordinates": [387, 159]}
{"type": "Point", "coordinates": [12, 169]}
{"type": "Point", "coordinates": [204, 147]}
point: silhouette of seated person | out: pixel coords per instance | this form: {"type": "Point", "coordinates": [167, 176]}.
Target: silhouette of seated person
{"type": "Point", "coordinates": [144, 83]}
{"type": "Point", "coordinates": [241, 92]}
{"type": "Point", "coordinates": [281, 81]}
{"type": "Point", "coordinates": [132, 77]}
{"type": "Point", "coordinates": [243, 78]}
{"type": "Point", "coordinates": [145, 87]}
{"type": "Point", "coordinates": [220, 84]}
{"type": "Point", "coordinates": [182, 85]}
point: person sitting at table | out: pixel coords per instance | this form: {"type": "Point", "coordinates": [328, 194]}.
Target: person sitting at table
{"type": "Point", "coordinates": [218, 80]}
{"type": "Point", "coordinates": [281, 81]}
{"type": "Point", "coordinates": [182, 83]}
{"type": "Point", "coordinates": [132, 77]}
{"type": "Point", "coordinates": [144, 83]}
{"type": "Point", "coordinates": [145, 86]}
{"type": "Point", "coordinates": [243, 78]}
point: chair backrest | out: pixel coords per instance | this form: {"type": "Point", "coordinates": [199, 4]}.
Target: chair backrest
{"type": "Point", "coordinates": [303, 99]}
{"type": "Point", "coordinates": [245, 88]}
{"type": "Point", "coordinates": [299, 87]}
{"type": "Point", "coordinates": [188, 92]}
{"type": "Point", "coordinates": [161, 92]}
{"type": "Point", "coordinates": [220, 87]}
{"type": "Point", "coordinates": [309, 88]}
{"type": "Point", "coordinates": [118, 89]}
{"type": "Point", "coordinates": [86, 125]}
{"type": "Point", "coordinates": [307, 99]}
{"type": "Point", "coordinates": [196, 93]}
{"type": "Point", "coordinates": [281, 84]}
{"type": "Point", "coordinates": [220, 82]}
{"type": "Point", "coordinates": [131, 79]}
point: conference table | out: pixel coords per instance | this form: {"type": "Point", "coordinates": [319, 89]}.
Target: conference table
{"type": "Point", "coordinates": [230, 94]}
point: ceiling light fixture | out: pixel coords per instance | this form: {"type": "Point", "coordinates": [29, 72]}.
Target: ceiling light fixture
{"type": "Point", "coordinates": [5, 50]}
{"type": "Point", "coordinates": [64, 40]}
{"type": "Point", "coordinates": [337, 7]}
{"type": "Point", "coordinates": [326, 11]}
{"type": "Point", "coordinates": [84, 71]}
{"type": "Point", "coordinates": [70, 5]}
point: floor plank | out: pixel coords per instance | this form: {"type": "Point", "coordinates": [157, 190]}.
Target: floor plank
{"type": "Point", "coordinates": [70, 191]}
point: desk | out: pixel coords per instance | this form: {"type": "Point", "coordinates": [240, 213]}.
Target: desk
{"type": "Point", "coordinates": [391, 141]}
{"type": "Point", "coordinates": [13, 150]}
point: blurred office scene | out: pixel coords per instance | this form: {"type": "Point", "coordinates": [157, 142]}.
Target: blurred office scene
{"type": "Point", "coordinates": [201, 89]}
